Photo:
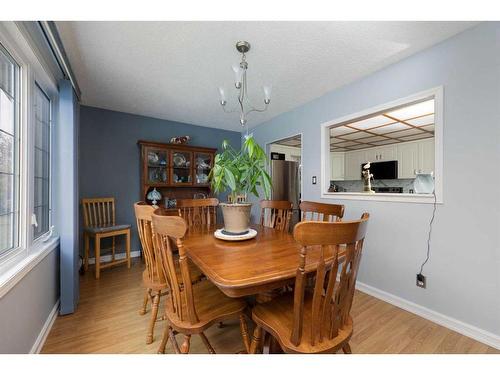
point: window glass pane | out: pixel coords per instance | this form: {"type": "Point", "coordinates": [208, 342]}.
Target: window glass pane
{"type": "Point", "coordinates": [7, 72]}
{"type": "Point", "coordinates": [9, 149]}
{"type": "Point", "coordinates": [42, 162]}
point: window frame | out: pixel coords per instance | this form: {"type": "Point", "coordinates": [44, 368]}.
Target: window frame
{"type": "Point", "coordinates": [17, 153]}
{"type": "Point", "coordinates": [16, 262]}
{"type": "Point", "coordinates": [42, 236]}
{"type": "Point", "coordinates": [437, 94]}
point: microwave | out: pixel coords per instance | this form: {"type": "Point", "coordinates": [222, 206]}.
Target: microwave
{"type": "Point", "coordinates": [383, 170]}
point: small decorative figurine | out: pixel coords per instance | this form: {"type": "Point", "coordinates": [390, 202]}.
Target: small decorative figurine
{"type": "Point", "coordinates": [180, 140]}
{"type": "Point", "coordinates": [367, 176]}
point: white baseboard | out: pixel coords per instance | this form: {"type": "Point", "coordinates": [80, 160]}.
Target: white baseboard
{"type": "Point", "coordinates": [107, 258]}
{"type": "Point", "coordinates": [42, 336]}
{"type": "Point", "coordinates": [465, 329]}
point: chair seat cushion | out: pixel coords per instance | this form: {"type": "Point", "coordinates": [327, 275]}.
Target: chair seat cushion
{"type": "Point", "coordinates": [276, 316]}
{"type": "Point", "coordinates": [211, 306]}
{"type": "Point", "coordinates": [107, 228]}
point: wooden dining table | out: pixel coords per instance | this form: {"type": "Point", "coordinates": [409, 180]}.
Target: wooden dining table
{"type": "Point", "coordinates": [251, 267]}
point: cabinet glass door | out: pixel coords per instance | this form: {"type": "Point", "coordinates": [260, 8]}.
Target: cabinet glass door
{"type": "Point", "coordinates": [203, 165]}
{"type": "Point", "coordinates": [181, 167]}
{"type": "Point", "coordinates": [157, 164]}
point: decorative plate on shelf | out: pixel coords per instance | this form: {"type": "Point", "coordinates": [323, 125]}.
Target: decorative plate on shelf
{"type": "Point", "coordinates": [179, 160]}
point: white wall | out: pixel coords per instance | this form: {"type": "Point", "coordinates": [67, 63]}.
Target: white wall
{"type": "Point", "coordinates": [464, 268]}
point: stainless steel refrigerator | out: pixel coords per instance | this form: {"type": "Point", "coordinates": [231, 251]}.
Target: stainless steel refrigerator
{"type": "Point", "coordinates": [286, 184]}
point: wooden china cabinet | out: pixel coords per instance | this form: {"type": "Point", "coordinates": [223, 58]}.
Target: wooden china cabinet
{"type": "Point", "coordinates": [176, 171]}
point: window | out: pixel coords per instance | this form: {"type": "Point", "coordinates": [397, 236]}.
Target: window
{"type": "Point", "coordinates": [41, 208]}
{"type": "Point", "coordinates": [9, 152]}
{"type": "Point", "coordinates": [391, 152]}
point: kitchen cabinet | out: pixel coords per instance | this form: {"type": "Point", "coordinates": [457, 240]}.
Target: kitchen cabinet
{"type": "Point", "coordinates": [353, 161]}
{"type": "Point", "coordinates": [337, 166]}
{"type": "Point", "coordinates": [413, 157]}
{"type": "Point", "coordinates": [383, 153]}
{"type": "Point", "coordinates": [407, 159]}
{"type": "Point", "coordinates": [426, 156]}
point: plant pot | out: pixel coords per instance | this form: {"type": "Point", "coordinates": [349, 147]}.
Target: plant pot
{"type": "Point", "coordinates": [236, 217]}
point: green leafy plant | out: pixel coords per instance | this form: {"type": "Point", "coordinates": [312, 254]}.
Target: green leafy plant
{"type": "Point", "coordinates": [241, 172]}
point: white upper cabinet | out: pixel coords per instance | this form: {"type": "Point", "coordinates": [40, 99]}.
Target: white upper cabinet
{"type": "Point", "coordinates": [383, 153]}
{"type": "Point", "coordinates": [413, 157]}
{"type": "Point", "coordinates": [353, 161]}
{"type": "Point", "coordinates": [337, 166]}
{"type": "Point", "coordinates": [426, 156]}
{"type": "Point", "coordinates": [407, 159]}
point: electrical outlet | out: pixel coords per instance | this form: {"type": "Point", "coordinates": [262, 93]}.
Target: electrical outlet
{"type": "Point", "coordinates": [421, 282]}
{"type": "Point", "coordinates": [314, 180]}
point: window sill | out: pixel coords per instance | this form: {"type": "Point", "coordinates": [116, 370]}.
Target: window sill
{"type": "Point", "coordinates": [13, 272]}
{"type": "Point", "coordinates": [383, 197]}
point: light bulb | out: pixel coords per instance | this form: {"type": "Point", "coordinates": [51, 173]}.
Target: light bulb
{"type": "Point", "coordinates": [237, 75]}
{"type": "Point", "coordinates": [222, 94]}
{"type": "Point", "coordinates": [267, 93]}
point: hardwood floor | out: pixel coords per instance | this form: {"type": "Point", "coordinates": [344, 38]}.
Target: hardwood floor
{"type": "Point", "coordinates": [108, 321]}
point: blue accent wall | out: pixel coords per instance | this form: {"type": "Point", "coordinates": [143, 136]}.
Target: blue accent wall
{"type": "Point", "coordinates": [110, 156]}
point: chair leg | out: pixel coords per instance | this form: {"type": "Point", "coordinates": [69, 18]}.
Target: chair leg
{"type": "Point", "coordinates": [207, 343]}
{"type": "Point", "coordinates": [128, 248]}
{"type": "Point", "coordinates": [113, 248]}
{"type": "Point", "coordinates": [244, 332]}
{"type": "Point", "coordinates": [145, 303]}
{"type": "Point", "coordinates": [347, 349]}
{"type": "Point", "coordinates": [164, 340]}
{"type": "Point", "coordinates": [97, 250]}
{"type": "Point", "coordinates": [174, 341]}
{"type": "Point", "coordinates": [87, 250]}
{"type": "Point", "coordinates": [257, 335]}
{"type": "Point", "coordinates": [152, 321]}
{"type": "Point", "coordinates": [185, 345]}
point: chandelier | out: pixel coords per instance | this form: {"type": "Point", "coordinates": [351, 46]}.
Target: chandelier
{"type": "Point", "coordinates": [240, 72]}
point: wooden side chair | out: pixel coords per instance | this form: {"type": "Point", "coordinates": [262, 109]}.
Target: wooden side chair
{"type": "Point", "coordinates": [190, 308]}
{"type": "Point", "coordinates": [276, 214]}
{"type": "Point", "coordinates": [315, 211]}
{"type": "Point", "coordinates": [153, 276]}
{"type": "Point", "coordinates": [199, 213]}
{"type": "Point", "coordinates": [99, 222]}
{"type": "Point", "coordinates": [317, 321]}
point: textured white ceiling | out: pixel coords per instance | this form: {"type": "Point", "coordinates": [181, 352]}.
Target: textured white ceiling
{"type": "Point", "coordinates": [171, 70]}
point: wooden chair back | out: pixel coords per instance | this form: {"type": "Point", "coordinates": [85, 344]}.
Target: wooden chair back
{"type": "Point", "coordinates": [314, 211]}
{"type": "Point", "coordinates": [98, 212]}
{"type": "Point", "coordinates": [276, 214]}
{"type": "Point", "coordinates": [332, 299]}
{"type": "Point", "coordinates": [143, 213]}
{"type": "Point", "coordinates": [199, 213]}
{"type": "Point", "coordinates": [167, 231]}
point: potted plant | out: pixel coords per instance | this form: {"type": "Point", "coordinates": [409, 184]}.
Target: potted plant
{"type": "Point", "coordinates": [243, 173]}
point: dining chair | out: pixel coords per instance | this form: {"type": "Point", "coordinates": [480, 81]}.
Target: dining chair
{"type": "Point", "coordinates": [316, 211]}
{"type": "Point", "coordinates": [318, 321]}
{"type": "Point", "coordinates": [99, 222]}
{"type": "Point", "coordinates": [190, 308]}
{"type": "Point", "coordinates": [199, 213]}
{"type": "Point", "coordinates": [276, 214]}
{"type": "Point", "coordinates": [152, 277]}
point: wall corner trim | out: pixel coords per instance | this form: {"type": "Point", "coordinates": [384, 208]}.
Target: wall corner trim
{"type": "Point", "coordinates": [463, 328]}
{"type": "Point", "coordinates": [42, 336]}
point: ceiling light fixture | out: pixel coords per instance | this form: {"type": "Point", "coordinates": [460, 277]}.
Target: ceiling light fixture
{"type": "Point", "coordinates": [240, 82]}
